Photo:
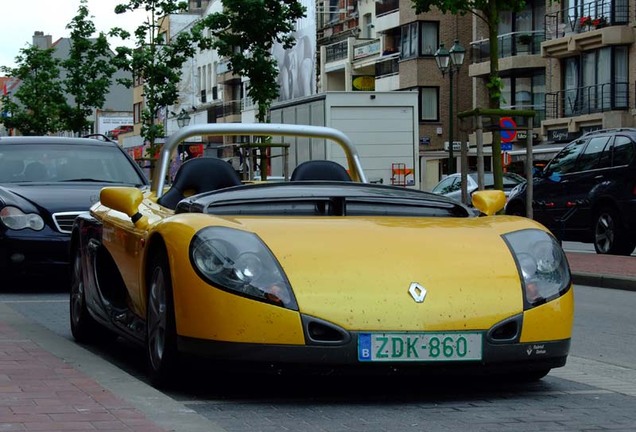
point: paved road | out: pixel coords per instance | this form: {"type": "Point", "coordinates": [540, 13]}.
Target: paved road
{"type": "Point", "coordinates": [595, 391]}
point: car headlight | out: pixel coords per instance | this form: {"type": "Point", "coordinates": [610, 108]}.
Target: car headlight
{"type": "Point", "coordinates": [15, 219]}
{"type": "Point", "coordinates": [239, 262]}
{"type": "Point", "coordinates": [542, 265]}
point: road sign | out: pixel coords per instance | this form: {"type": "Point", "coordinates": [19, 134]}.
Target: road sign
{"type": "Point", "coordinates": [508, 129]}
{"type": "Point", "coordinates": [506, 146]}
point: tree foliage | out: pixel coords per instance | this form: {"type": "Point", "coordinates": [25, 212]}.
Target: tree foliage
{"type": "Point", "coordinates": [36, 106]}
{"type": "Point", "coordinates": [488, 11]}
{"type": "Point", "coordinates": [89, 71]}
{"type": "Point", "coordinates": [244, 33]}
{"type": "Point", "coordinates": [155, 60]}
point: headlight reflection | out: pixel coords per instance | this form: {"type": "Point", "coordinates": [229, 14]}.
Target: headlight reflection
{"type": "Point", "coordinates": [238, 261]}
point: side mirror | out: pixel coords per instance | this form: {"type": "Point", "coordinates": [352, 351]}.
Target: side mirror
{"type": "Point", "coordinates": [125, 200]}
{"type": "Point", "coordinates": [489, 202]}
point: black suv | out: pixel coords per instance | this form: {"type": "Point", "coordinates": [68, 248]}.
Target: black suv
{"type": "Point", "coordinates": [587, 192]}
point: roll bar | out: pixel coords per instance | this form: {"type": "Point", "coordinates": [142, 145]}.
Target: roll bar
{"type": "Point", "coordinates": [257, 129]}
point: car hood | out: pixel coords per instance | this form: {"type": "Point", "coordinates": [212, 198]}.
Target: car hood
{"type": "Point", "coordinates": [56, 197]}
{"type": "Point", "coordinates": [357, 272]}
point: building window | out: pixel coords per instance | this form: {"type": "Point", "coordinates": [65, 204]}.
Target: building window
{"type": "Point", "coordinates": [429, 103]}
{"type": "Point", "coordinates": [137, 112]}
{"type": "Point", "coordinates": [525, 92]}
{"type": "Point", "coordinates": [596, 81]}
{"type": "Point", "coordinates": [419, 39]}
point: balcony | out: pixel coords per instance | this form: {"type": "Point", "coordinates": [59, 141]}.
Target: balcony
{"type": "Point", "coordinates": [229, 111]}
{"type": "Point", "coordinates": [518, 50]}
{"type": "Point", "coordinates": [587, 100]}
{"type": "Point", "coordinates": [589, 26]}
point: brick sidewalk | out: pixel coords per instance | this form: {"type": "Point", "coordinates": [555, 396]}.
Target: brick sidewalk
{"type": "Point", "coordinates": [39, 392]}
{"type": "Point", "coordinates": [611, 265]}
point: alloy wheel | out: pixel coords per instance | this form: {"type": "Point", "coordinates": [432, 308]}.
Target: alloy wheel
{"type": "Point", "coordinates": [604, 233]}
{"type": "Point", "coordinates": [157, 319]}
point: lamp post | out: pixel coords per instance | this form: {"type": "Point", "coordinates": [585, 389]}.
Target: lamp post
{"type": "Point", "coordinates": [450, 62]}
{"type": "Point", "coordinates": [183, 119]}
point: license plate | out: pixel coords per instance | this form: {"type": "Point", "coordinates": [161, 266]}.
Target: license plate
{"type": "Point", "coordinates": [422, 347]}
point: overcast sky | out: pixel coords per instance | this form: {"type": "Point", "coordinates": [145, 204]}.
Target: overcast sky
{"type": "Point", "coordinates": [20, 19]}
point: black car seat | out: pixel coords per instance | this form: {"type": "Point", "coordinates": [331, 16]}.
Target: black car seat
{"type": "Point", "coordinates": [35, 171]}
{"type": "Point", "coordinates": [320, 170]}
{"type": "Point", "coordinates": [199, 175]}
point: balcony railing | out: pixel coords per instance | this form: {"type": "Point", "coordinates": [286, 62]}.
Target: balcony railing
{"type": "Point", "coordinates": [389, 66]}
{"type": "Point", "coordinates": [586, 17]}
{"type": "Point", "coordinates": [510, 44]}
{"type": "Point", "coordinates": [337, 51]}
{"type": "Point", "coordinates": [587, 100]}
{"type": "Point", "coordinates": [229, 108]}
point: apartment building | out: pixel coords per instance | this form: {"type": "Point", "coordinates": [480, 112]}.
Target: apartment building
{"type": "Point", "coordinates": [568, 61]}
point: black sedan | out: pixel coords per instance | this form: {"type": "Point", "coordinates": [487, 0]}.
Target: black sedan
{"type": "Point", "coordinates": [45, 182]}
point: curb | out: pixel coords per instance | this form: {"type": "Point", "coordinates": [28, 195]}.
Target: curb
{"type": "Point", "coordinates": [604, 281]}
{"type": "Point", "coordinates": [156, 406]}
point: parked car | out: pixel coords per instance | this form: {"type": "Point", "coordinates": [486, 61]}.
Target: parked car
{"type": "Point", "coordinates": [451, 186]}
{"type": "Point", "coordinates": [587, 192]}
{"type": "Point", "coordinates": [45, 182]}
{"type": "Point", "coordinates": [326, 271]}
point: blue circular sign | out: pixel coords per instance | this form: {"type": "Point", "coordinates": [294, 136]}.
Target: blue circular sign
{"type": "Point", "coordinates": [508, 129]}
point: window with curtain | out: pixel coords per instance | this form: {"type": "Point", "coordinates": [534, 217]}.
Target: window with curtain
{"type": "Point", "coordinates": [429, 103]}
{"type": "Point", "coordinates": [430, 37]}
{"type": "Point", "coordinates": [419, 39]}
{"type": "Point", "coordinates": [596, 81]}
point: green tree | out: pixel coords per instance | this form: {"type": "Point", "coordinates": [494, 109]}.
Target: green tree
{"type": "Point", "coordinates": [244, 33]}
{"type": "Point", "coordinates": [488, 11]}
{"type": "Point", "coordinates": [36, 106]}
{"type": "Point", "coordinates": [155, 60]}
{"type": "Point", "coordinates": [89, 71]}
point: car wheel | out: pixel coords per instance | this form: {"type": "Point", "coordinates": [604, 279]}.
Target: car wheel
{"type": "Point", "coordinates": [84, 328]}
{"type": "Point", "coordinates": [161, 339]}
{"type": "Point", "coordinates": [609, 235]}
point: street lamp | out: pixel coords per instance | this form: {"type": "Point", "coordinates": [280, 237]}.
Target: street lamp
{"type": "Point", "coordinates": [449, 62]}
{"type": "Point", "coordinates": [183, 119]}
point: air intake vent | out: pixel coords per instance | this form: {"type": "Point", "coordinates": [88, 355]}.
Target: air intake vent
{"type": "Point", "coordinates": [64, 221]}
{"type": "Point", "coordinates": [506, 331]}
{"type": "Point", "coordinates": [319, 332]}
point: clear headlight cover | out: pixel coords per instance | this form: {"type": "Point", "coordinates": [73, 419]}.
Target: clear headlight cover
{"type": "Point", "coordinates": [542, 265]}
{"type": "Point", "coordinates": [15, 219]}
{"type": "Point", "coordinates": [239, 261]}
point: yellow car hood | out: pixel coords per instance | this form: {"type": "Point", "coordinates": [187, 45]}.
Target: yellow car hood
{"type": "Point", "coordinates": [356, 271]}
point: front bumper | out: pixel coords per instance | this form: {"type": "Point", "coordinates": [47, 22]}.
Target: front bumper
{"type": "Point", "coordinates": [496, 357]}
{"type": "Point", "coordinates": [28, 253]}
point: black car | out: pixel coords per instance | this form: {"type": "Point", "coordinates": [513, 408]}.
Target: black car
{"type": "Point", "coordinates": [587, 192]}
{"type": "Point", "coordinates": [45, 182]}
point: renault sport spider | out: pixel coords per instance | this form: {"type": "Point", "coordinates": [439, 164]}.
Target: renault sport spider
{"type": "Point", "coordinates": [325, 270]}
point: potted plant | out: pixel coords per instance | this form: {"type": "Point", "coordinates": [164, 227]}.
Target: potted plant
{"type": "Point", "coordinates": [585, 22]}
{"type": "Point", "coordinates": [599, 22]}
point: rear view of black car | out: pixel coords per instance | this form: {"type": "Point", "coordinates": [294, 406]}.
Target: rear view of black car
{"type": "Point", "coordinates": [45, 182]}
{"type": "Point", "coordinates": [587, 192]}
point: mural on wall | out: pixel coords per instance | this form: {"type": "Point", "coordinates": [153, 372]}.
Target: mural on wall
{"type": "Point", "coordinates": [297, 66]}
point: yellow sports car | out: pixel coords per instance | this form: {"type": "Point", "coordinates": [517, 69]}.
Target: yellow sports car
{"type": "Point", "coordinates": [325, 270]}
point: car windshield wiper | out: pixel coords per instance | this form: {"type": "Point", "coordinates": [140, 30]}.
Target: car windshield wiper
{"type": "Point", "coordinates": [91, 180]}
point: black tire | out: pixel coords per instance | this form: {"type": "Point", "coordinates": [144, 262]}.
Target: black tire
{"type": "Point", "coordinates": [84, 328]}
{"type": "Point", "coordinates": [610, 236]}
{"type": "Point", "coordinates": [161, 334]}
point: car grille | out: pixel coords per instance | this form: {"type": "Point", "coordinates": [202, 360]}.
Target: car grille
{"type": "Point", "coordinates": [64, 221]}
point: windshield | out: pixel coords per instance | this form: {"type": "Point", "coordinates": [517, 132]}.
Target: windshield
{"type": "Point", "coordinates": [66, 163]}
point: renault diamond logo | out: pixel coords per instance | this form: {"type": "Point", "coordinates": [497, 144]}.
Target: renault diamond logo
{"type": "Point", "coordinates": [418, 292]}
